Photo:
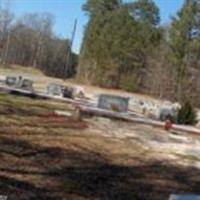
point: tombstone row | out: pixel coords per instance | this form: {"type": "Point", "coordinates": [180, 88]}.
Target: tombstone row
{"type": "Point", "coordinates": [105, 101]}
{"type": "Point", "coordinates": [53, 89]}
{"type": "Point", "coordinates": [19, 82]}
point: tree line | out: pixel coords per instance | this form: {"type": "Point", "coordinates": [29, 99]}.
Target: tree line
{"type": "Point", "coordinates": [125, 46]}
{"type": "Point", "coordinates": [30, 41]}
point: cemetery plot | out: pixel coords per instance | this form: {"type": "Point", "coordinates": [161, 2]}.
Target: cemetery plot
{"type": "Point", "coordinates": [45, 156]}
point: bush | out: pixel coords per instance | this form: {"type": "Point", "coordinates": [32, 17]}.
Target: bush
{"type": "Point", "coordinates": [187, 115]}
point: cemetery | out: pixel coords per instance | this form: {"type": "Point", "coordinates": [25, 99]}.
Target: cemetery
{"type": "Point", "coordinates": [107, 105]}
{"type": "Point", "coordinates": [19, 82]}
{"type": "Point", "coordinates": [109, 136]}
{"type": "Point", "coordinates": [99, 100]}
{"type": "Point", "coordinates": [61, 155]}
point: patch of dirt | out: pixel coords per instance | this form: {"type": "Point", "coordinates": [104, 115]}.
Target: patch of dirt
{"type": "Point", "coordinates": [159, 143]}
{"type": "Point", "coordinates": [48, 157]}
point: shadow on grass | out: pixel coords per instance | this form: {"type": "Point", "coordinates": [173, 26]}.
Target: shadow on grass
{"type": "Point", "coordinates": [16, 189]}
{"type": "Point", "coordinates": [86, 174]}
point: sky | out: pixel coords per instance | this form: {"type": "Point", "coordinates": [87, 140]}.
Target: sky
{"type": "Point", "coordinates": [66, 11]}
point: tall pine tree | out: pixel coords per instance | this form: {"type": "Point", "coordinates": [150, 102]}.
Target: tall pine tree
{"type": "Point", "coordinates": [185, 45]}
{"type": "Point", "coordinates": [118, 39]}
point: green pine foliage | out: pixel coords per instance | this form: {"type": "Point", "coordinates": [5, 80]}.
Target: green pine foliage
{"type": "Point", "coordinates": [124, 46]}
{"type": "Point", "coordinates": [118, 39]}
{"type": "Point", "coordinates": [184, 42]}
{"type": "Point", "coordinates": [187, 115]}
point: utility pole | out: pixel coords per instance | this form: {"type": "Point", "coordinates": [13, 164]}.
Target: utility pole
{"type": "Point", "coordinates": [68, 67]}
{"type": "Point", "coordinates": [1, 33]}
{"type": "Point", "coordinates": [5, 30]}
{"type": "Point", "coordinates": [6, 49]}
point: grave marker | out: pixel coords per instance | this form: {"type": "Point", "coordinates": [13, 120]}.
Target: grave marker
{"type": "Point", "coordinates": [114, 103]}
{"type": "Point", "coordinates": [60, 90]}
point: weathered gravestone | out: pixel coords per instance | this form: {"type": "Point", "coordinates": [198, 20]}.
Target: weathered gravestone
{"type": "Point", "coordinates": [54, 89]}
{"type": "Point", "coordinates": [11, 80]}
{"type": "Point", "coordinates": [19, 82]}
{"type": "Point", "coordinates": [169, 111]}
{"type": "Point", "coordinates": [114, 103]}
{"type": "Point", "coordinates": [25, 84]}
{"type": "Point", "coordinates": [184, 197]}
{"type": "Point", "coordinates": [60, 90]}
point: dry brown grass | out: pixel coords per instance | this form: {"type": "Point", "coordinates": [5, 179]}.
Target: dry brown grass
{"type": "Point", "coordinates": [41, 81]}
{"type": "Point", "coordinates": [48, 157]}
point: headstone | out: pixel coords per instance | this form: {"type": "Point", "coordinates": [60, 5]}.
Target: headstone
{"type": "Point", "coordinates": [55, 90]}
{"type": "Point", "coordinates": [169, 111]}
{"type": "Point", "coordinates": [25, 84]}
{"type": "Point", "coordinates": [184, 197]}
{"type": "Point", "coordinates": [60, 90]}
{"type": "Point", "coordinates": [114, 103]}
{"type": "Point", "coordinates": [11, 80]}
{"type": "Point", "coordinates": [68, 92]}
{"type": "Point", "coordinates": [19, 82]}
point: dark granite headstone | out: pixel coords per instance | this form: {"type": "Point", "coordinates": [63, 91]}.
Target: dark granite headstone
{"type": "Point", "coordinates": [166, 114]}
{"type": "Point", "coordinates": [60, 90]}
{"type": "Point", "coordinates": [68, 92]}
{"type": "Point", "coordinates": [114, 103]}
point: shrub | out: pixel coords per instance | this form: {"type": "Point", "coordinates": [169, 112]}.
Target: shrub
{"type": "Point", "coordinates": [187, 115]}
